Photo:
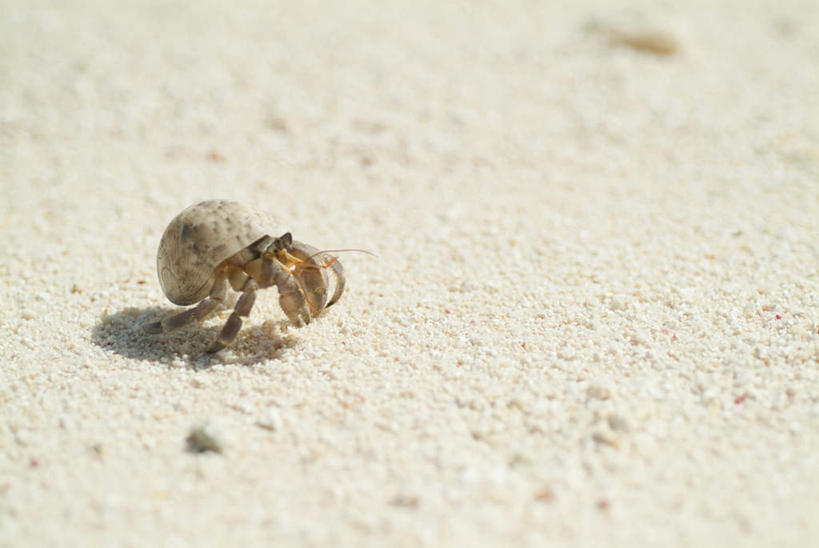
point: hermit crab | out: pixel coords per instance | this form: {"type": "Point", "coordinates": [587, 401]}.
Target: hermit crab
{"type": "Point", "coordinates": [217, 242]}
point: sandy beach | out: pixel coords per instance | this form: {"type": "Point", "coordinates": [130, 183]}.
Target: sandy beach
{"type": "Point", "coordinates": [593, 318]}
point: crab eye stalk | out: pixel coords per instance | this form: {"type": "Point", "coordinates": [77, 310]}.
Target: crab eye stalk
{"type": "Point", "coordinates": [285, 241]}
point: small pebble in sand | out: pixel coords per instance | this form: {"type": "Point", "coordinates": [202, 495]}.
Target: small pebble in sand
{"type": "Point", "coordinates": [404, 501]}
{"type": "Point", "coordinates": [655, 42]}
{"type": "Point", "coordinates": [545, 495]}
{"type": "Point", "coordinates": [201, 440]}
{"type": "Point", "coordinates": [272, 420]}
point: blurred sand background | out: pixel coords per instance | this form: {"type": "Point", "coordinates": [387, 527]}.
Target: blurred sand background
{"type": "Point", "coordinates": [594, 318]}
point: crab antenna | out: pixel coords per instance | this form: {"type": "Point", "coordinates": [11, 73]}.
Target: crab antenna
{"type": "Point", "coordinates": [317, 253]}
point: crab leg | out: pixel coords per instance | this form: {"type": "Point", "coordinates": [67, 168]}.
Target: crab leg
{"type": "Point", "coordinates": [234, 323]}
{"type": "Point", "coordinates": [197, 314]}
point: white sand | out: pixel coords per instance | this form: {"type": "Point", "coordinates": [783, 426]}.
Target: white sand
{"type": "Point", "coordinates": [594, 318]}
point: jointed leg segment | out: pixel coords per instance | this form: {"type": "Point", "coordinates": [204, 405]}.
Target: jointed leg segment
{"type": "Point", "coordinates": [197, 314]}
{"type": "Point", "coordinates": [234, 323]}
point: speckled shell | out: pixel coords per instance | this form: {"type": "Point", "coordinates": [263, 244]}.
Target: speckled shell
{"type": "Point", "coordinates": [197, 240]}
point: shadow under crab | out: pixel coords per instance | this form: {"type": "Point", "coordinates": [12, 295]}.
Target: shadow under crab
{"type": "Point", "coordinates": [122, 333]}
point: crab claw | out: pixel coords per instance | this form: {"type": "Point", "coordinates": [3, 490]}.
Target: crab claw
{"type": "Point", "coordinates": [295, 307]}
{"type": "Point", "coordinates": [338, 271]}
{"type": "Point", "coordinates": [312, 275]}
